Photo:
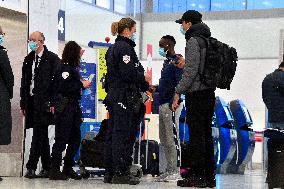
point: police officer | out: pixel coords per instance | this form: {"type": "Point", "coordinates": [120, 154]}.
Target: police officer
{"type": "Point", "coordinates": [37, 76]}
{"type": "Point", "coordinates": [125, 81]}
{"type": "Point", "coordinates": [67, 93]}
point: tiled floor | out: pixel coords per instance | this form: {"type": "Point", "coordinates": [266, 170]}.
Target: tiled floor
{"type": "Point", "coordinates": [252, 180]}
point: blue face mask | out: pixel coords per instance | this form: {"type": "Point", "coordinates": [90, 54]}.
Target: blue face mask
{"type": "Point", "coordinates": [33, 45]}
{"type": "Point", "coordinates": [182, 31]}
{"type": "Point", "coordinates": [162, 52]}
{"type": "Point", "coordinates": [133, 37]}
{"type": "Point", "coordinates": [1, 39]}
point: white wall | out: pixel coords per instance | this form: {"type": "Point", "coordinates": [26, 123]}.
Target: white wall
{"type": "Point", "coordinates": [43, 16]}
{"type": "Point", "coordinates": [86, 23]}
{"type": "Point", "coordinates": [16, 5]}
{"type": "Point", "coordinates": [253, 38]}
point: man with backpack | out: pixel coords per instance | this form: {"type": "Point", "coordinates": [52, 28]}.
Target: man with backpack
{"type": "Point", "coordinates": [199, 102]}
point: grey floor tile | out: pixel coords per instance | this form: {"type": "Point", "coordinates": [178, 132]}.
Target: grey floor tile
{"type": "Point", "coordinates": [251, 180]}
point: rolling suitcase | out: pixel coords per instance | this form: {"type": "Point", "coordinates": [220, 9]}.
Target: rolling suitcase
{"type": "Point", "coordinates": [92, 152]}
{"type": "Point", "coordinates": [146, 153]}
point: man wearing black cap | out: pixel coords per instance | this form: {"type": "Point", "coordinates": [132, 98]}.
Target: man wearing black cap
{"type": "Point", "coordinates": [199, 101]}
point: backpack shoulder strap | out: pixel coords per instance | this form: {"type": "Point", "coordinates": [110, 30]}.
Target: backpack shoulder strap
{"type": "Point", "coordinates": [203, 44]}
{"type": "Point", "coordinates": [202, 41]}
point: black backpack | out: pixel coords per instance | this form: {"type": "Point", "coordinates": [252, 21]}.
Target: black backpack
{"type": "Point", "coordinates": [220, 63]}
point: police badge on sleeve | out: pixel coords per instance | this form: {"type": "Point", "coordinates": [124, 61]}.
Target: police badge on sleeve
{"type": "Point", "coordinates": [65, 75]}
{"type": "Point", "coordinates": [126, 59]}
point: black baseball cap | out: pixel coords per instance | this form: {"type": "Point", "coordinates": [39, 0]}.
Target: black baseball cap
{"type": "Point", "coordinates": [192, 16]}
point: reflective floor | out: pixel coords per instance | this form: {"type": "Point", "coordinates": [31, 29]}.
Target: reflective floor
{"type": "Point", "coordinates": [251, 180]}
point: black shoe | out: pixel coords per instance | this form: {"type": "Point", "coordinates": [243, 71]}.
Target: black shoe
{"type": "Point", "coordinates": [56, 174]}
{"type": "Point", "coordinates": [70, 173]}
{"type": "Point", "coordinates": [108, 177]}
{"type": "Point", "coordinates": [1, 179]}
{"type": "Point", "coordinates": [43, 174]}
{"type": "Point", "coordinates": [121, 179]}
{"type": "Point", "coordinates": [211, 183]}
{"type": "Point", "coordinates": [30, 174]}
{"type": "Point", "coordinates": [193, 181]}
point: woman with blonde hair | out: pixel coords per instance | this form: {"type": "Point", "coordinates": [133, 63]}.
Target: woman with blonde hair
{"type": "Point", "coordinates": [125, 81]}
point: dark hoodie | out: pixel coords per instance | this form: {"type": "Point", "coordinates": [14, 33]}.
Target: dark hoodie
{"type": "Point", "coordinates": [272, 97]}
{"type": "Point", "coordinates": [194, 56]}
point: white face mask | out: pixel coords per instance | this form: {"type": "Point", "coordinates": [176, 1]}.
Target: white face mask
{"type": "Point", "coordinates": [182, 31]}
{"type": "Point", "coordinates": [133, 37]}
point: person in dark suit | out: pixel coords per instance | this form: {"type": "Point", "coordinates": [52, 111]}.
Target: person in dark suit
{"type": "Point", "coordinates": [6, 93]}
{"type": "Point", "coordinates": [38, 72]}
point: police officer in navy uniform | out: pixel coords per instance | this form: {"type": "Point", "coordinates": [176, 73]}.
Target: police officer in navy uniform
{"type": "Point", "coordinates": [68, 117]}
{"type": "Point", "coordinates": [38, 71]}
{"type": "Point", "coordinates": [125, 81]}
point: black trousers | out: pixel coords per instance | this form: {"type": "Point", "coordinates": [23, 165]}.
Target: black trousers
{"type": "Point", "coordinates": [67, 131]}
{"type": "Point", "coordinates": [121, 135]}
{"type": "Point", "coordinates": [200, 110]}
{"type": "Point", "coordinates": [40, 141]}
{"type": "Point", "coordinates": [5, 119]}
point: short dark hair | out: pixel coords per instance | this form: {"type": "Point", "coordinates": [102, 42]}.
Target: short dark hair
{"type": "Point", "coordinates": [71, 54]}
{"type": "Point", "coordinates": [170, 38]}
{"type": "Point", "coordinates": [281, 65]}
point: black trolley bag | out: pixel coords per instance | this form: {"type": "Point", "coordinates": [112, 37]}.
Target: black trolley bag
{"type": "Point", "coordinates": [92, 153]}
{"type": "Point", "coordinates": [146, 153]}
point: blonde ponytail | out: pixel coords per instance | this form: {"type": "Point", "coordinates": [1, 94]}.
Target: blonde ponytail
{"type": "Point", "coordinates": [114, 28]}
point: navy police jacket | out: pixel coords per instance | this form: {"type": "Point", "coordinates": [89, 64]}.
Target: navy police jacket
{"type": "Point", "coordinates": [123, 66]}
{"type": "Point", "coordinates": [67, 83]}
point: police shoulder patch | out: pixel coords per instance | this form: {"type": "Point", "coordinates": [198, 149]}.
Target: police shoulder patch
{"type": "Point", "coordinates": [65, 75]}
{"type": "Point", "coordinates": [126, 59]}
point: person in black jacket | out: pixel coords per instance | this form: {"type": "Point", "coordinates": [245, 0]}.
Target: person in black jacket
{"type": "Point", "coordinates": [273, 97]}
{"type": "Point", "coordinates": [125, 81]}
{"type": "Point", "coordinates": [36, 88]}
{"type": "Point", "coordinates": [6, 93]}
{"type": "Point", "coordinates": [68, 117]}
{"type": "Point", "coordinates": [199, 102]}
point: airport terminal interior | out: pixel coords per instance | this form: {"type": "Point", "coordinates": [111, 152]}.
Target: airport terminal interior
{"type": "Point", "coordinates": [255, 28]}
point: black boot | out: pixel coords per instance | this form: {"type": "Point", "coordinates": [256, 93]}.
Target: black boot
{"type": "Point", "coordinates": [193, 181]}
{"type": "Point", "coordinates": [1, 179]}
{"type": "Point", "coordinates": [211, 181]}
{"type": "Point", "coordinates": [43, 174]}
{"type": "Point", "coordinates": [70, 173]}
{"type": "Point", "coordinates": [30, 174]}
{"type": "Point", "coordinates": [56, 174]}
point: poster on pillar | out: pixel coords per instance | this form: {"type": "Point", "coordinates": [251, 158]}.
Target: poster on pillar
{"type": "Point", "coordinates": [102, 70]}
{"type": "Point", "coordinates": [88, 71]}
{"type": "Point", "coordinates": [149, 72]}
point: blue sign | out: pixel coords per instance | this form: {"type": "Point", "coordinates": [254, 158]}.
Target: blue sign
{"type": "Point", "coordinates": [61, 25]}
{"type": "Point", "coordinates": [88, 100]}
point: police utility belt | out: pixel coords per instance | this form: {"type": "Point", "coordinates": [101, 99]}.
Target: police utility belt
{"type": "Point", "coordinates": [129, 95]}
{"type": "Point", "coordinates": [62, 102]}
